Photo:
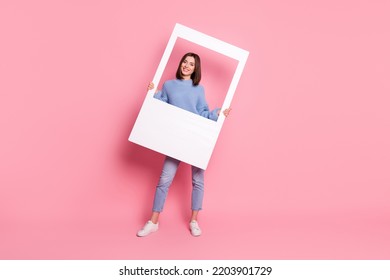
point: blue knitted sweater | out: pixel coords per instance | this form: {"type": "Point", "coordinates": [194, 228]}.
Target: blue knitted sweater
{"type": "Point", "coordinates": [183, 94]}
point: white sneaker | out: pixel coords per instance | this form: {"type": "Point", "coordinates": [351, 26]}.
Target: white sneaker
{"type": "Point", "coordinates": [195, 229]}
{"type": "Point", "coordinates": [147, 229]}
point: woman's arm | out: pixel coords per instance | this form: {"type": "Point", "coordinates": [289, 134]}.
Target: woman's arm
{"type": "Point", "coordinates": [204, 111]}
{"type": "Point", "coordinates": [159, 94]}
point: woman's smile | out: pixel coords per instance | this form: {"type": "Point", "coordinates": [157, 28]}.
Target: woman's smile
{"type": "Point", "coordinates": [188, 67]}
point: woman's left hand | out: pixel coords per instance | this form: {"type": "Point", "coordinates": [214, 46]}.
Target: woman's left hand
{"type": "Point", "coordinates": [226, 112]}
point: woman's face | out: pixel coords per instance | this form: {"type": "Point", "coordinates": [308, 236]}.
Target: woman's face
{"type": "Point", "coordinates": [187, 67]}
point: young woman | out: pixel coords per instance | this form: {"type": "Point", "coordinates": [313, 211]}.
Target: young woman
{"type": "Point", "coordinates": [184, 92]}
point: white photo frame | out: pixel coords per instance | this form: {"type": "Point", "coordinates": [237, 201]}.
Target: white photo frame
{"type": "Point", "coordinates": [173, 131]}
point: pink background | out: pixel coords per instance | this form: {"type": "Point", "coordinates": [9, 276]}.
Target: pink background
{"type": "Point", "coordinates": [301, 167]}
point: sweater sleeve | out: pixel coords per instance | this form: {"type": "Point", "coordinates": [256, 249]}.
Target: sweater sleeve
{"type": "Point", "coordinates": [162, 94]}
{"type": "Point", "coordinates": [203, 109]}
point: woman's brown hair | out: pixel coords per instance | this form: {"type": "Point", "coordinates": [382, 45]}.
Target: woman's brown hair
{"type": "Point", "coordinates": [196, 75]}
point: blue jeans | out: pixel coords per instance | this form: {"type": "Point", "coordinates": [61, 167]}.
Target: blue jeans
{"type": "Point", "coordinates": [168, 173]}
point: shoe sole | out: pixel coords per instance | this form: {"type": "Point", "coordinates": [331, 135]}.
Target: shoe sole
{"type": "Point", "coordinates": [143, 235]}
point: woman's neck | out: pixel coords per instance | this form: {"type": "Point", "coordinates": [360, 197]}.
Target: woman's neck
{"type": "Point", "coordinates": [186, 77]}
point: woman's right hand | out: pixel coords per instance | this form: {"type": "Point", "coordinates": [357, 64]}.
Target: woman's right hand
{"type": "Point", "coordinates": [151, 86]}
